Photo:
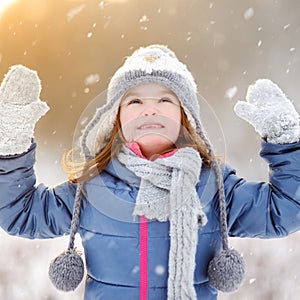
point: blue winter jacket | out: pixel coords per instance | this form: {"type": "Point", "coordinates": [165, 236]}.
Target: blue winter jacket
{"type": "Point", "coordinates": [112, 239]}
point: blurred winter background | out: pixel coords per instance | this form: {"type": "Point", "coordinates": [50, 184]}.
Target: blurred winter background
{"type": "Point", "coordinates": [76, 46]}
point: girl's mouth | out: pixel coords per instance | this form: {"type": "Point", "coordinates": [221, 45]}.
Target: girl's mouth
{"type": "Point", "coordinates": [151, 126]}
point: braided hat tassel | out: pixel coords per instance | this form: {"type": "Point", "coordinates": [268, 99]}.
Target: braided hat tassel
{"type": "Point", "coordinates": [226, 271]}
{"type": "Point", "coordinates": [67, 269]}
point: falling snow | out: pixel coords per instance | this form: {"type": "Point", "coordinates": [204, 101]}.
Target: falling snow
{"type": "Point", "coordinates": [231, 92]}
{"type": "Point", "coordinates": [135, 270]}
{"type": "Point", "coordinates": [107, 20]}
{"type": "Point", "coordinates": [84, 121]}
{"type": "Point", "coordinates": [74, 12]}
{"type": "Point", "coordinates": [144, 18]}
{"type": "Point", "coordinates": [88, 236]}
{"type": "Point", "coordinates": [92, 79]}
{"type": "Point", "coordinates": [102, 4]}
{"type": "Point", "coordinates": [249, 13]}
{"type": "Point", "coordinates": [159, 270]}
{"type": "Point", "coordinates": [189, 36]}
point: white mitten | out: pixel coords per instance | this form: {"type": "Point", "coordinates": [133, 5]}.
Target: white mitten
{"type": "Point", "coordinates": [270, 112]}
{"type": "Point", "coordinates": [20, 109]}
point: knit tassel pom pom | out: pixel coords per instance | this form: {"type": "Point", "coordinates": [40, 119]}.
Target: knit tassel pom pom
{"type": "Point", "coordinates": [66, 270]}
{"type": "Point", "coordinates": [226, 271]}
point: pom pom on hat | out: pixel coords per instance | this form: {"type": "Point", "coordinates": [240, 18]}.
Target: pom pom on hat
{"type": "Point", "coordinates": [226, 271]}
{"type": "Point", "coordinates": [66, 271]}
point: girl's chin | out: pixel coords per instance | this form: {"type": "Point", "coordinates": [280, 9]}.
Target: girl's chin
{"type": "Point", "coordinates": [154, 144]}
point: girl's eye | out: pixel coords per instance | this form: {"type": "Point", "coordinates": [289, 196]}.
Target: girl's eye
{"type": "Point", "coordinates": [166, 99]}
{"type": "Point", "coordinates": [134, 101]}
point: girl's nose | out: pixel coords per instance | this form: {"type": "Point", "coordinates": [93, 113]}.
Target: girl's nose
{"type": "Point", "coordinates": [150, 110]}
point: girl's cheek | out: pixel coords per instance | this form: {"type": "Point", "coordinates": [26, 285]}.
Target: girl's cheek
{"type": "Point", "coordinates": [127, 131]}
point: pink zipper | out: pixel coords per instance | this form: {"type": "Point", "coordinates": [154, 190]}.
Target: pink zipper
{"type": "Point", "coordinates": [143, 258]}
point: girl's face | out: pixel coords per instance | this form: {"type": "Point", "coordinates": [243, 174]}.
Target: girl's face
{"type": "Point", "coordinates": [150, 115]}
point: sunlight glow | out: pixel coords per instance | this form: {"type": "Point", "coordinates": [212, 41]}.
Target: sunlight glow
{"type": "Point", "coordinates": [5, 4]}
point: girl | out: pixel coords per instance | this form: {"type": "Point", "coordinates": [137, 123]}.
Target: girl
{"type": "Point", "coordinates": [150, 200]}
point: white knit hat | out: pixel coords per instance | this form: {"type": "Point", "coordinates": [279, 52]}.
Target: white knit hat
{"type": "Point", "coordinates": [155, 64]}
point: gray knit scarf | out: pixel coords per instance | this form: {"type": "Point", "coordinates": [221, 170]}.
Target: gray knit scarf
{"type": "Point", "coordinates": [167, 192]}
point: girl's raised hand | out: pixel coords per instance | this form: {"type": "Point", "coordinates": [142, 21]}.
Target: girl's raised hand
{"type": "Point", "coordinates": [271, 113]}
{"type": "Point", "coordinates": [20, 109]}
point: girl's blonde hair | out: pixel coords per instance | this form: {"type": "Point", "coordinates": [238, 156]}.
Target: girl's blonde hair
{"type": "Point", "coordinates": [84, 171]}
